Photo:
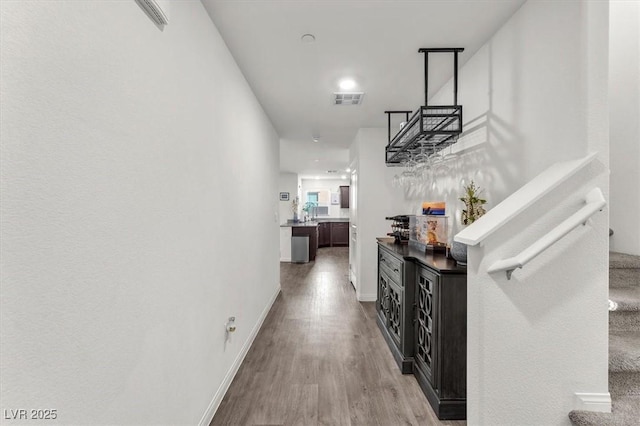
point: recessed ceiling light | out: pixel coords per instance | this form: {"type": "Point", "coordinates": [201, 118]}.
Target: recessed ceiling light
{"type": "Point", "coordinates": [348, 170]}
{"type": "Point", "coordinates": [316, 160]}
{"type": "Point", "coordinates": [343, 176]}
{"type": "Point", "coordinates": [317, 177]}
{"type": "Point", "coordinates": [316, 139]}
{"type": "Point", "coordinates": [347, 84]}
{"type": "Point", "coordinates": [308, 38]}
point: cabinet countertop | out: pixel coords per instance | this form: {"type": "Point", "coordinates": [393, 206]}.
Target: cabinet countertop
{"type": "Point", "coordinates": [434, 260]}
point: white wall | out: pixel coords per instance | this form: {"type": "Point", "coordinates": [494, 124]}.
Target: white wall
{"type": "Point", "coordinates": [285, 244]}
{"type": "Point", "coordinates": [535, 94]}
{"type": "Point", "coordinates": [331, 185]}
{"type": "Point", "coordinates": [288, 183]}
{"type": "Point", "coordinates": [129, 162]}
{"type": "Point", "coordinates": [624, 102]}
{"type": "Point", "coordinates": [376, 200]}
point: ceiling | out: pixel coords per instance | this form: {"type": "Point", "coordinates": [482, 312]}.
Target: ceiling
{"type": "Point", "coordinates": [374, 42]}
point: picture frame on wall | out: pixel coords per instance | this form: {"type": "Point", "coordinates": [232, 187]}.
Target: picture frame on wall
{"type": "Point", "coordinates": [284, 196]}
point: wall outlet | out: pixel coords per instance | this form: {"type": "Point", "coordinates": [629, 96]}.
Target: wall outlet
{"type": "Point", "coordinates": [230, 327]}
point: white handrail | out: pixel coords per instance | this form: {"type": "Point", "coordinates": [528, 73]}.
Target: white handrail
{"type": "Point", "coordinates": [521, 200]}
{"type": "Point", "coordinates": [595, 202]}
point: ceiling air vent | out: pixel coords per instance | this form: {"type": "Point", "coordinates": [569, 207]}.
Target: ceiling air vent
{"type": "Point", "coordinates": [348, 98]}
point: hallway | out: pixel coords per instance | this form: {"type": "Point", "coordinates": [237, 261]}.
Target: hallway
{"type": "Point", "coordinates": [320, 359]}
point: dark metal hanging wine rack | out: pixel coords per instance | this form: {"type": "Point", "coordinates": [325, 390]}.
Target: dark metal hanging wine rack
{"type": "Point", "coordinates": [432, 126]}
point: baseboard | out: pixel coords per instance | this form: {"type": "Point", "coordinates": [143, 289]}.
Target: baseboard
{"type": "Point", "coordinates": [367, 297]}
{"type": "Point", "coordinates": [224, 386]}
{"type": "Point", "coordinates": [285, 259]}
{"type": "Point", "coordinates": [599, 402]}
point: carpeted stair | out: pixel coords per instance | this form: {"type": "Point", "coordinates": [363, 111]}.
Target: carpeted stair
{"type": "Point", "coordinates": [624, 346]}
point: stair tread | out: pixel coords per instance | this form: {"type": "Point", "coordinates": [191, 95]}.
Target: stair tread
{"type": "Point", "coordinates": [624, 351]}
{"type": "Point", "coordinates": [624, 278]}
{"type": "Point", "coordinates": [625, 411]}
{"type": "Point", "coordinates": [624, 299]}
{"type": "Point", "coordinates": [623, 261]}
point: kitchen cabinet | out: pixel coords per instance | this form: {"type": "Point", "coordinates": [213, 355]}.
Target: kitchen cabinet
{"type": "Point", "coordinates": [333, 233]}
{"type": "Point", "coordinates": [344, 197]}
{"type": "Point", "coordinates": [324, 234]}
{"type": "Point", "coordinates": [437, 322]}
{"type": "Point", "coordinates": [339, 235]}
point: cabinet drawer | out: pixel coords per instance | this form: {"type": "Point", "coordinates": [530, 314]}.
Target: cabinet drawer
{"type": "Point", "coordinates": [392, 266]}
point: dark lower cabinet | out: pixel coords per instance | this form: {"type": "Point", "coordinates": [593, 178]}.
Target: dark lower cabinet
{"type": "Point", "coordinates": [425, 354]}
{"type": "Point", "coordinates": [324, 234]}
{"type": "Point", "coordinates": [422, 313]}
{"type": "Point", "coordinates": [339, 233]}
{"type": "Point", "coordinates": [333, 234]}
{"type": "Point", "coordinates": [395, 307]}
{"type": "Point", "coordinates": [440, 360]}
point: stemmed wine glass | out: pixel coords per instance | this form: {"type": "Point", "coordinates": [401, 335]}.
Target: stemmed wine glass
{"type": "Point", "coordinates": [409, 174]}
{"type": "Point", "coordinates": [397, 181]}
{"type": "Point", "coordinates": [436, 159]}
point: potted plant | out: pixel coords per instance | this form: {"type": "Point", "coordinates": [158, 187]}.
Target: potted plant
{"type": "Point", "coordinates": [308, 207]}
{"type": "Point", "coordinates": [473, 210]}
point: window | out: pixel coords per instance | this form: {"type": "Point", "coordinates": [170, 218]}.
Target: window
{"type": "Point", "coordinates": [321, 199]}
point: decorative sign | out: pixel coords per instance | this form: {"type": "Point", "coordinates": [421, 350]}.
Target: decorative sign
{"type": "Point", "coordinates": [435, 208]}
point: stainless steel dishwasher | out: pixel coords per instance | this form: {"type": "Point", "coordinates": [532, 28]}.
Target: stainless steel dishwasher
{"type": "Point", "coordinates": [300, 249]}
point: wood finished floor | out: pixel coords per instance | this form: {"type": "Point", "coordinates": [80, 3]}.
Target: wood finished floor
{"type": "Point", "coordinates": [320, 359]}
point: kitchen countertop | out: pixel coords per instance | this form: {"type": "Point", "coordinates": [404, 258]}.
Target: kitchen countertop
{"type": "Point", "coordinates": [299, 225]}
{"type": "Point", "coordinates": [315, 222]}
{"type": "Point", "coordinates": [435, 260]}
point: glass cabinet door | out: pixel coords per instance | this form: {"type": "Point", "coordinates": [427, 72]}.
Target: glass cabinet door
{"type": "Point", "coordinates": [425, 325]}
